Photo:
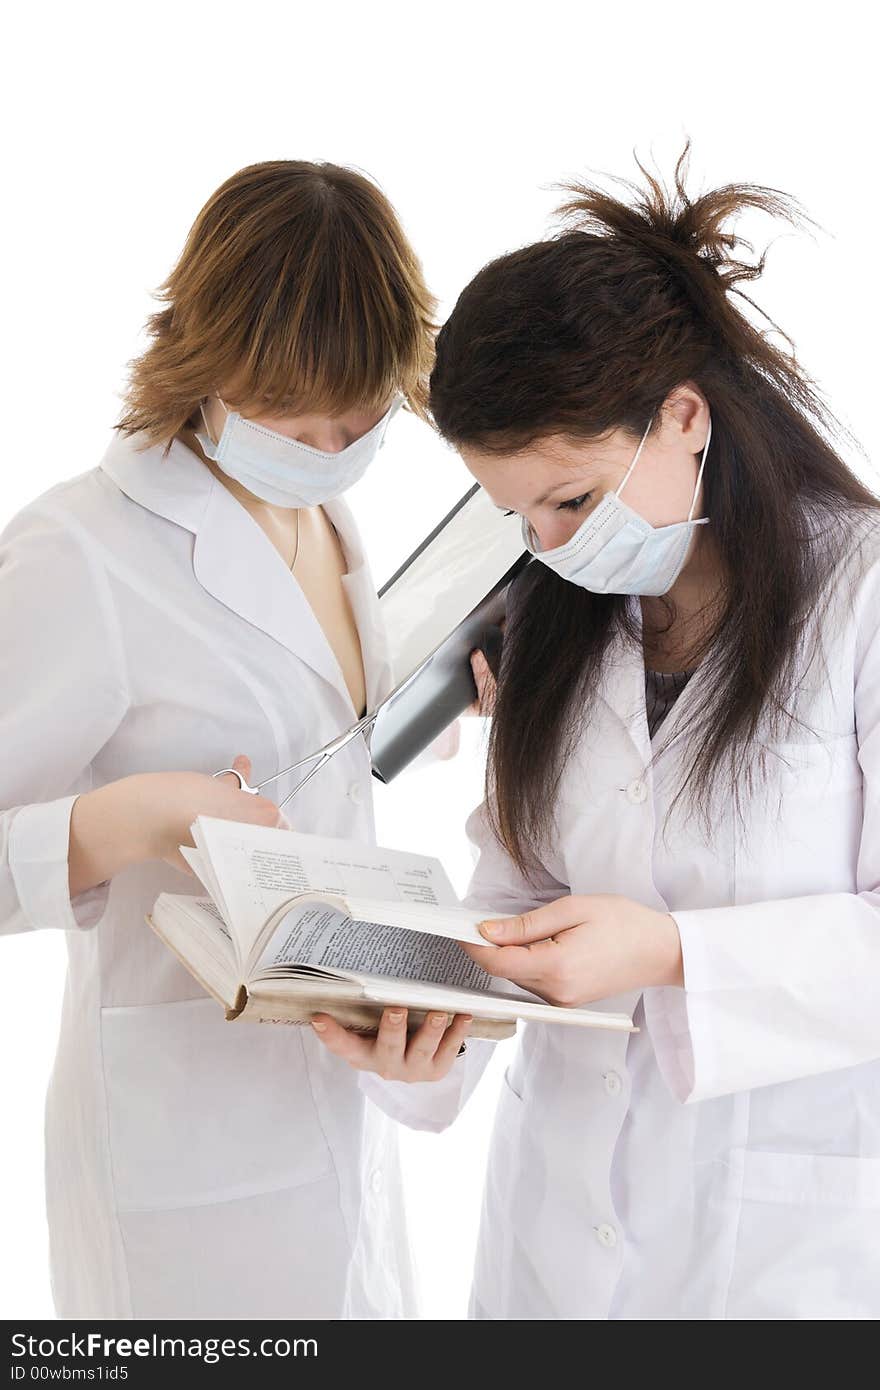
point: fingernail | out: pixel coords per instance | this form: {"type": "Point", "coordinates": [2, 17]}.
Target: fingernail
{"type": "Point", "coordinates": [438, 1020]}
{"type": "Point", "coordinates": [491, 928]}
{"type": "Point", "coordinates": [319, 1026]}
{"type": "Point", "coordinates": [396, 1015]}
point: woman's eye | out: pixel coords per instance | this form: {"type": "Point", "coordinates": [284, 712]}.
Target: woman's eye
{"type": "Point", "coordinates": [574, 504]}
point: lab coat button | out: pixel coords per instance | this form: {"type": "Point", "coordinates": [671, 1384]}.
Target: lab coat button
{"type": "Point", "coordinates": [606, 1235]}
{"type": "Point", "coordinates": [613, 1083]}
{"type": "Point", "coordinates": [355, 793]}
{"type": "Point", "coordinates": [376, 1181]}
{"type": "Point", "coordinates": [637, 791]}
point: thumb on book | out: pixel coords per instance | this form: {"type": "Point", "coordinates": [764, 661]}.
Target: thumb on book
{"type": "Point", "coordinates": [537, 925]}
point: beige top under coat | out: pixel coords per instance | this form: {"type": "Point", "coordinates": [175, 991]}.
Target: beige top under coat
{"type": "Point", "coordinates": [310, 545]}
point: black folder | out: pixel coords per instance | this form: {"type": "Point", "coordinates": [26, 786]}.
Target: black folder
{"type": "Point", "coordinates": [446, 600]}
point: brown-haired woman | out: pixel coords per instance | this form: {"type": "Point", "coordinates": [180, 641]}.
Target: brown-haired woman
{"type": "Point", "coordinates": [191, 597]}
{"type": "Point", "coordinates": [682, 816]}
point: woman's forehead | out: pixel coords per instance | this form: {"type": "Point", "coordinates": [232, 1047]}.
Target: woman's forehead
{"type": "Point", "coordinates": [535, 475]}
{"type": "Point", "coordinates": [553, 456]}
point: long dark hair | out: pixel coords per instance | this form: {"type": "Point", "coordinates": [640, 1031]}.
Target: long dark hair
{"type": "Point", "coordinates": [588, 332]}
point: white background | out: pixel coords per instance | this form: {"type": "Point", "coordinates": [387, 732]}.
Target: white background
{"type": "Point", "coordinates": [120, 120]}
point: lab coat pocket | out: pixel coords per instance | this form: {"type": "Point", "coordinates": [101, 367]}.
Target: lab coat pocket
{"type": "Point", "coordinates": [808, 1236]}
{"type": "Point", "coordinates": [818, 765]}
{"type": "Point", "coordinates": [201, 1110]}
{"type": "Point", "coordinates": [812, 817]}
{"type": "Point", "coordinates": [509, 1113]}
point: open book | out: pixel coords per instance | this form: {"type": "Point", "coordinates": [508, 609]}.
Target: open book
{"type": "Point", "coordinates": [299, 924]}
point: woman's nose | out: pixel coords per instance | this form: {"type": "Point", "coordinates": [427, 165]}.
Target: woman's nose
{"type": "Point", "coordinates": [551, 532]}
{"type": "Point", "coordinates": [329, 438]}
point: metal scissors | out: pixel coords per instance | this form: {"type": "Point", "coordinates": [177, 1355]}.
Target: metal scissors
{"type": "Point", "coordinates": [320, 758]}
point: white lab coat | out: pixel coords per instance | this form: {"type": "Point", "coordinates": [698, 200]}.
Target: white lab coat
{"type": "Point", "coordinates": [194, 1167]}
{"type": "Point", "coordinates": [724, 1161]}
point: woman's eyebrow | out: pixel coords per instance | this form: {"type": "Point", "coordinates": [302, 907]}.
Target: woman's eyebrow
{"type": "Point", "coordinates": [557, 487]}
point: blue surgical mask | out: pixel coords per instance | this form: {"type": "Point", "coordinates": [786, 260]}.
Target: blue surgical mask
{"type": "Point", "coordinates": [286, 472]}
{"type": "Point", "coordinates": [615, 551]}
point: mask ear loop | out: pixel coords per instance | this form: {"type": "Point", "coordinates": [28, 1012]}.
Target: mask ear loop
{"type": "Point", "coordinates": [214, 441]}
{"type": "Point", "coordinates": [636, 459]}
{"type": "Point", "coordinates": [702, 466]}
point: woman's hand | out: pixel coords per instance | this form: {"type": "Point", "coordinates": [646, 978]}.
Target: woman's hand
{"type": "Point", "coordinates": [484, 678]}
{"type": "Point", "coordinates": [426, 1056]}
{"type": "Point", "coordinates": [486, 686]}
{"type": "Point", "coordinates": [148, 815]}
{"type": "Point", "coordinates": [447, 744]}
{"type": "Point", "coordinates": [582, 948]}
{"type": "Point", "coordinates": [167, 803]}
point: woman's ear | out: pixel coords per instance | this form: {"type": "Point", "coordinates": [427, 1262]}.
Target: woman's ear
{"type": "Point", "coordinates": [686, 411]}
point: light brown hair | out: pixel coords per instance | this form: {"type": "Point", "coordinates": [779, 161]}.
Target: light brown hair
{"type": "Point", "coordinates": [298, 290]}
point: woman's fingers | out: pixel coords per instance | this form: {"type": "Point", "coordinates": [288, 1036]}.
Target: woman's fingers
{"type": "Point", "coordinates": [485, 683]}
{"type": "Point", "coordinates": [522, 929]}
{"type": "Point", "coordinates": [390, 1045]}
{"type": "Point", "coordinates": [242, 765]}
{"type": "Point", "coordinates": [258, 810]}
{"type": "Point", "coordinates": [383, 1054]}
{"type": "Point", "coordinates": [521, 964]}
{"type": "Point", "coordinates": [426, 1056]}
{"type": "Point", "coordinates": [254, 809]}
{"type": "Point", "coordinates": [264, 811]}
{"type": "Point", "coordinates": [351, 1047]}
{"type": "Point", "coordinates": [451, 1042]}
{"type": "Point", "coordinates": [488, 958]}
{"type": "Point", "coordinates": [536, 966]}
{"type": "Point", "coordinates": [537, 925]}
{"type": "Point", "coordinates": [426, 1040]}
{"type": "Point", "coordinates": [434, 1046]}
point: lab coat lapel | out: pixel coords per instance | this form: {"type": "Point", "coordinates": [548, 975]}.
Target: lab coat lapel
{"type": "Point", "coordinates": [362, 596]}
{"type": "Point", "coordinates": [622, 688]}
{"type": "Point", "coordinates": [621, 685]}
{"type": "Point", "coordinates": [232, 559]}
{"type": "Point", "coordinates": [238, 565]}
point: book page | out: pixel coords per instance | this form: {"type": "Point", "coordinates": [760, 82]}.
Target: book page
{"type": "Point", "coordinates": [196, 932]}
{"type": "Point", "coordinates": [258, 869]}
{"type": "Point", "coordinates": [324, 936]}
{"type": "Point", "coordinates": [204, 873]}
{"type": "Point", "coordinates": [458, 923]}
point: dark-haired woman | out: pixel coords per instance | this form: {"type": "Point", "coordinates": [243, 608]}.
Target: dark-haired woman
{"type": "Point", "coordinates": [683, 802]}
{"type": "Point", "coordinates": [203, 592]}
